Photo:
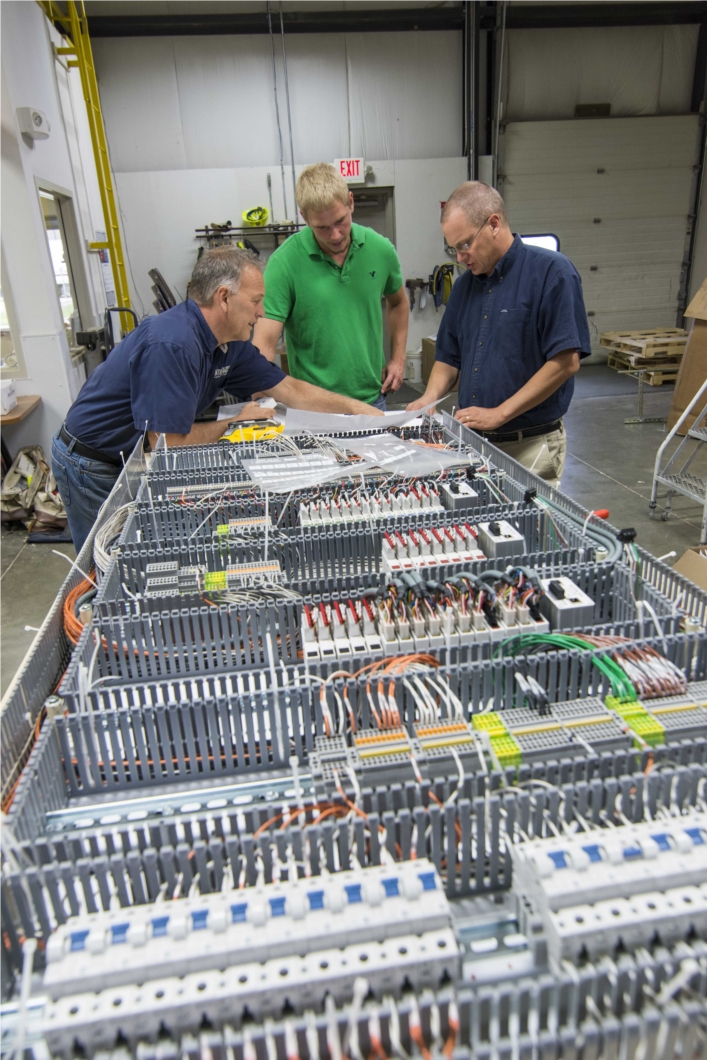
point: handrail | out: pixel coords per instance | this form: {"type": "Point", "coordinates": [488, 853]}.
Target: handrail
{"type": "Point", "coordinates": [671, 435]}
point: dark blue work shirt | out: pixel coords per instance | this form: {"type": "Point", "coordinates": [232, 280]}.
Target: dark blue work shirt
{"type": "Point", "coordinates": [499, 330]}
{"type": "Point", "coordinates": [160, 377]}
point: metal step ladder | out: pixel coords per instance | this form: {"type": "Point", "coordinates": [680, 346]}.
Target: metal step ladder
{"type": "Point", "coordinates": [676, 476]}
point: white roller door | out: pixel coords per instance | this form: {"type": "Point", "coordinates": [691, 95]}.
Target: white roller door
{"type": "Point", "coordinates": [616, 192]}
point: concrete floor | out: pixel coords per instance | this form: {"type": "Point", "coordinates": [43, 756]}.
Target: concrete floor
{"type": "Point", "coordinates": [610, 465]}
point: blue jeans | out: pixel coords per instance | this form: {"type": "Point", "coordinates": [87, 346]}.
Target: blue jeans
{"type": "Point", "coordinates": [379, 403]}
{"type": "Point", "coordinates": [83, 484]}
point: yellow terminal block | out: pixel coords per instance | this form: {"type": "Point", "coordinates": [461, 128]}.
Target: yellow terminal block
{"type": "Point", "coordinates": [490, 723]}
{"type": "Point", "coordinates": [214, 580]}
{"type": "Point", "coordinates": [647, 728]}
{"type": "Point", "coordinates": [506, 749]}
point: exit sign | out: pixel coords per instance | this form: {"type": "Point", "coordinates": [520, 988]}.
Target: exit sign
{"type": "Point", "coordinates": [352, 170]}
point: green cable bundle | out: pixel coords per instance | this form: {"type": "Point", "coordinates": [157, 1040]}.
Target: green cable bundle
{"type": "Point", "coordinates": [525, 642]}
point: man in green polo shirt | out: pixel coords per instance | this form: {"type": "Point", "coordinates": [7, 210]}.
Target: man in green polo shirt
{"type": "Point", "coordinates": [324, 286]}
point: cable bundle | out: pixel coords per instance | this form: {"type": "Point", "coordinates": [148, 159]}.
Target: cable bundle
{"type": "Point", "coordinates": [106, 535]}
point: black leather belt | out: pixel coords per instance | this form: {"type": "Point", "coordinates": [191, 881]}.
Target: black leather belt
{"type": "Point", "coordinates": [519, 436]}
{"type": "Point", "coordinates": [86, 450]}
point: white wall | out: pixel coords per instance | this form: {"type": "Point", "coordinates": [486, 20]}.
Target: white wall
{"type": "Point", "coordinates": [208, 102]}
{"type": "Point", "coordinates": [639, 70]}
{"type": "Point", "coordinates": [162, 209]}
{"type": "Point", "coordinates": [31, 77]}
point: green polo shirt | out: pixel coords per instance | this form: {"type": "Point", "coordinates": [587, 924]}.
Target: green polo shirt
{"type": "Point", "coordinates": [332, 313]}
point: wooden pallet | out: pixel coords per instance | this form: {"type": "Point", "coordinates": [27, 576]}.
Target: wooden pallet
{"type": "Point", "coordinates": [619, 359]}
{"type": "Point", "coordinates": [652, 343]}
{"type": "Point", "coordinates": [656, 372]}
{"type": "Point", "coordinates": [656, 377]}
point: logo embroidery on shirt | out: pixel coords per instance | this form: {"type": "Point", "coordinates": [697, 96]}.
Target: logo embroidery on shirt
{"type": "Point", "coordinates": [220, 372]}
{"type": "Point", "coordinates": [373, 273]}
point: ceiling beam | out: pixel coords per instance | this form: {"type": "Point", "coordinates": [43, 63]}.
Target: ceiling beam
{"type": "Point", "coordinates": [399, 18]}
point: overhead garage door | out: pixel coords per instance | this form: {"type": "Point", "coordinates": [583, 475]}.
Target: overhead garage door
{"type": "Point", "coordinates": [616, 191]}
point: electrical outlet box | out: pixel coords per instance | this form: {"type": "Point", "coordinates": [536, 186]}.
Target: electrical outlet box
{"type": "Point", "coordinates": [498, 538]}
{"type": "Point", "coordinates": [565, 605]}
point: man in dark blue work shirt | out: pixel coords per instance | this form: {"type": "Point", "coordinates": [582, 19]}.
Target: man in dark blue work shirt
{"type": "Point", "coordinates": [167, 372]}
{"type": "Point", "coordinates": [513, 333]}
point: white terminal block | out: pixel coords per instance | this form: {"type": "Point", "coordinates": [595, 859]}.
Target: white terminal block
{"type": "Point", "coordinates": [608, 863]}
{"type": "Point", "coordinates": [429, 548]}
{"type": "Point", "coordinates": [498, 538]}
{"type": "Point", "coordinates": [140, 943]}
{"type": "Point", "coordinates": [595, 930]}
{"type": "Point", "coordinates": [423, 961]}
{"type": "Point", "coordinates": [601, 886]}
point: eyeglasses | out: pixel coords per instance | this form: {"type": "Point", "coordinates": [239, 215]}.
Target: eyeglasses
{"type": "Point", "coordinates": [462, 248]}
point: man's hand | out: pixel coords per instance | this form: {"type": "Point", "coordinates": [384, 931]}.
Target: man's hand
{"type": "Point", "coordinates": [419, 404]}
{"type": "Point", "coordinates": [393, 376]}
{"type": "Point", "coordinates": [479, 419]}
{"type": "Point", "coordinates": [253, 411]}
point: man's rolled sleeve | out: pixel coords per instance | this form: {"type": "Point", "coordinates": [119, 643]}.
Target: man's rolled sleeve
{"type": "Point", "coordinates": [279, 296]}
{"type": "Point", "coordinates": [164, 389]}
{"type": "Point", "coordinates": [562, 319]}
{"type": "Point", "coordinates": [252, 373]}
{"type": "Point", "coordinates": [447, 347]}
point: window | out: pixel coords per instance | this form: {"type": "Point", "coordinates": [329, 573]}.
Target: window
{"type": "Point", "coordinates": [61, 262]}
{"type": "Point", "coordinates": [546, 241]}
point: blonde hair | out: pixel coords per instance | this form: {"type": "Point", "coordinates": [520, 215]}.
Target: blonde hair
{"type": "Point", "coordinates": [319, 187]}
{"type": "Point", "coordinates": [477, 200]}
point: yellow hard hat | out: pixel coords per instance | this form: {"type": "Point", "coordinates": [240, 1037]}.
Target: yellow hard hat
{"type": "Point", "coordinates": [256, 217]}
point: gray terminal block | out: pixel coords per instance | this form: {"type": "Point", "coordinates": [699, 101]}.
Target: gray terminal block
{"type": "Point", "coordinates": [565, 605]}
{"type": "Point", "coordinates": [457, 495]}
{"type": "Point", "coordinates": [498, 538]}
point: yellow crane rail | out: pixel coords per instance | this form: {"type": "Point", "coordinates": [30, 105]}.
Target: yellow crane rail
{"type": "Point", "coordinates": [70, 20]}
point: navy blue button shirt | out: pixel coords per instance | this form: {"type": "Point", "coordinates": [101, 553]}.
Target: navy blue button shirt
{"type": "Point", "coordinates": [499, 330]}
{"type": "Point", "coordinates": [160, 377]}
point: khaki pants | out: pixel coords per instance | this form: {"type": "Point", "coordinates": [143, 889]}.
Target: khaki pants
{"type": "Point", "coordinates": [544, 455]}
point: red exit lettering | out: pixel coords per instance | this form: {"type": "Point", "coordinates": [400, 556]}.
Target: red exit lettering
{"type": "Point", "coordinates": [350, 167]}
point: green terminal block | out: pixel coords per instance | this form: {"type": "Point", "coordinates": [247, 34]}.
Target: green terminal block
{"type": "Point", "coordinates": [222, 529]}
{"type": "Point", "coordinates": [637, 718]}
{"type": "Point", "coordinates": [214, 580]}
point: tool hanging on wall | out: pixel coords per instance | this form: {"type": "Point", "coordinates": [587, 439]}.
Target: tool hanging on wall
{"type": "Point", "coordinates": [441, 281]}
{"type": "Point", "coordinates": [272, 210]}
{"type": "Point", "coordinates": [246, 244]}
{"type": "Point", "coordinates": [417, 285]}
{"type": "Point", "coordinates": [256, 217]}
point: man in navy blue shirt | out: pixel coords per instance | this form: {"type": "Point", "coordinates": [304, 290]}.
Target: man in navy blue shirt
{"type": "Point", "coordinates": [513, 333]}
{"type": "Point", "coordinates": [167, 372]}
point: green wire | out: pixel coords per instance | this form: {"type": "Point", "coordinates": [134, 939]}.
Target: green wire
{"type": "Point", "coordinates": [519, 644]}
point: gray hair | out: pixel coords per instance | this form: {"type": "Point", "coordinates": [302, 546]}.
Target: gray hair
{"type": "Point", "coordinates": [477, 200]}
{"type": "Point", "coordinates": [220, 267]}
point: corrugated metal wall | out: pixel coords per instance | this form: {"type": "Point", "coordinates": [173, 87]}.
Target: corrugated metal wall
{"type": "Point", "coordinates": [616, 192]}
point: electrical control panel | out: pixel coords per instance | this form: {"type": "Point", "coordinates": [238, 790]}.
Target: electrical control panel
{"type": "Point", "coordinates": [359, 756]}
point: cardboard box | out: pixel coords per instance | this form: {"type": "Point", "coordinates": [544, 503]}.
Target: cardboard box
{"type": "Point", "coordinates": [693, 367]}
{"type": "Point", "coordinates": [8, 398]}
{"type": "Point", "coordinates": [429, 347]}
{"type": "Point", "coordinates": [693, 565]}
